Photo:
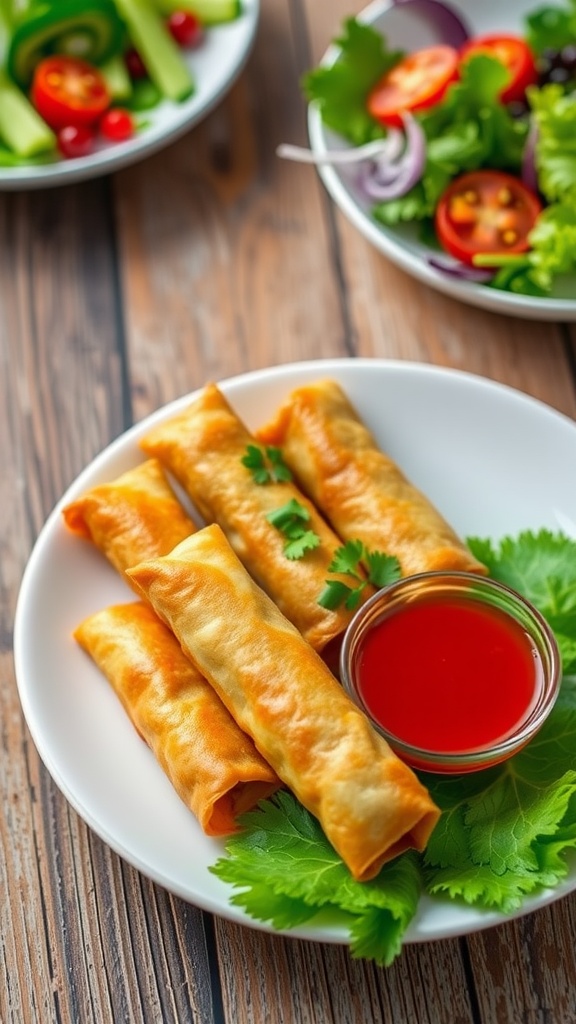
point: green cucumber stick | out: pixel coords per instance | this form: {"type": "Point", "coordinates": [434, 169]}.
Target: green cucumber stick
{"type": "Point", "coordinates": [22, 130]}
{"type": "Point", "coordinates": [115, 74]}
{"type": "Point", "coordinates": [158, 51]}
{"type": "Point", "coordinates": [208, 12]}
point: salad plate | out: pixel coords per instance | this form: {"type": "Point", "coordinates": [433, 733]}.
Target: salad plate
{"type": "Point", "coordinates": [503, 470]}
{"type": "Point", "coordinates": [215, 65]}
{"type": "Point", "coordinates": [407, 29]}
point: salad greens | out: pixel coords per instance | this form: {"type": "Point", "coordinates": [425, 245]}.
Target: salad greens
{"type": "Point", "coordinates": [469, 129]}
{"type": "Point", "coordinates": [504, 833]}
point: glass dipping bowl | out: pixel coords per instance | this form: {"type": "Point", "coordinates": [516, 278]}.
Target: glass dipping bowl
{"type": "Point", "coordinates": [482, 594]}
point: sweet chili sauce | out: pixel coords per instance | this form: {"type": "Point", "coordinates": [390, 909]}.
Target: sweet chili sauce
{"type": "Point", "coordinates": [445, 674]}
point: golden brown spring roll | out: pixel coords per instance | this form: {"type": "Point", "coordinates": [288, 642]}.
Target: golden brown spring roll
{"type": "Point", "coordinates": [213, 766]}
{"type": "Point", "coordinates": [360, 490]}
{"type": "Point", "coordinates": [134, 517]}
{"type": "Point", "coordinates": [369, 803]}
{"type": "Point", "coordinates": [203, 448]}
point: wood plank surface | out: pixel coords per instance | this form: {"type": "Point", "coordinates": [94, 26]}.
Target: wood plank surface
{"type": "Point", "coordinates": [209, 259]}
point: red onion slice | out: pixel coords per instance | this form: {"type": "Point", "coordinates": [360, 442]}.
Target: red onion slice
{"type": "Point", "coordinates": [461, 271]}
{"type": "Point", "coordinates": [529, 173]}
{"type": "Point", "coordinates": [451, 28]}
{"type": "Point", "coordinates": [385, 179]}
{"type": "Point", "coordinates": [388, 148]}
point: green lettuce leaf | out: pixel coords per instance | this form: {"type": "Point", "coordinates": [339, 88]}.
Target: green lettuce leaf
{"type": "Point", "coordinates": [341, 90]}
{"type": "Point", "coordinates": [554, 113]}
{"type": "Point", "coordinates": [551, 27]}
{"type": "Point", "coordinates": [468, 129]}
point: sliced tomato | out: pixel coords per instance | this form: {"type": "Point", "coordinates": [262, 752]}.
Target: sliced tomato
{"type": "Point", "coordinates": [417, 82]}
{"type": "Point", "coordinates": [67, 91]}
{"type": "Point", "coordinates": [516, 56]}
{"type": "Point", "coordinates": [486, 212]}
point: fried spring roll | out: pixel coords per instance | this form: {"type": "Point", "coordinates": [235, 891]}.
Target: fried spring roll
{"type": "Point", "coordinates": [369, 803]}
{"type": "Point", "coordinates": [203, 448]}
{"type": "Point", "coordinates": [362, 493]}
{"type": "Point", "coordinates": [216, 769]}
{"type": "Point", "coordinates": [213, 766]}
{"type": "Point", "coordinates": [135, 516]}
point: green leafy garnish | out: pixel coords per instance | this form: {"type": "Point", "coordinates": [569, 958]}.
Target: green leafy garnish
{"type": "Point", "coordinates": [504, 832]}
{"type": "Point", "coordinates": [341, 89]}
{"type": "Point", "coordinates": [551, 28]}
{"type": "Point", "coordinates": [291, 520]}
{"type": "Point", "coordinates": [266, 464]}
{"type": "Point", "coordinates": [468, 129]}
{"type": "Point", "coordinates": [286, 871]}
{"type": "Point", "coordinates": [364, 567]}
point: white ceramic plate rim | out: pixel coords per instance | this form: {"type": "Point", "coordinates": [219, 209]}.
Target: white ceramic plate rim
{"type": "Point", "coordinates": [391, 243]}
{"type": "Point", "coordinates": [434, 392]}
{"type": "Point", "coordinates": [215, 66]}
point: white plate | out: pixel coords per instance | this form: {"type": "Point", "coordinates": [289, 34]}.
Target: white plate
{"type": "Point", "coordinates": [215, 65]}
{"type": "Point", "coordinates": [407, 31]}
{"type": "Point", "coordinates": [493, 460]}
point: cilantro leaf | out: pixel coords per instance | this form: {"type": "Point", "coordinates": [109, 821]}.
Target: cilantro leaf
{"type": "Point", "coordinates": [266, 465]}
{"type": "Point", "coordinates": [347, 558]}
{"type": "Point", "coordinates": [354, 559]}
{"type": "Point", "coordinates": [285, 871]}
{"type": "Point", "coordinates": [542, 567]}
{"type": "Point", "coordinates": [334, 594]}
{"type": "Point", "coordinates": [382, 569]}
{"type": "Point", "coordinates": [341, 89]}
{"type": "Point", "coordinates": [290, 520]}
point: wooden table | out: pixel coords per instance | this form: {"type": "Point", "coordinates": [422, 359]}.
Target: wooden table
{"type": "Point", "coordinates": [117, 295]}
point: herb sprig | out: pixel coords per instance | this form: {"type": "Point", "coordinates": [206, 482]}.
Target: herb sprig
{"type": "Point", "coordinates": [291, 520]}
{"type": "Point", "coordinates": [364, 567]}
{"type": "Point", "coordinates": [266, 464]}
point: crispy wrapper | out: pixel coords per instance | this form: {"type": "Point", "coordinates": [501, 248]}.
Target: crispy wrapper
{"type": "Point", "coordinates": [360, 490]}
{"type": "Point", "coordinates": [213, 766]}
{"type": "Point", "coordinates": [369, 803]}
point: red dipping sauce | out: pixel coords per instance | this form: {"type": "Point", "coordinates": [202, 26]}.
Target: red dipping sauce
{"type": "Point", "coordinates": [456, 675]}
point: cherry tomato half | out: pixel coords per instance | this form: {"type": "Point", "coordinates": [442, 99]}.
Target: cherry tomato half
{"type": "Point", "coordinates": [417, 82]}
{"type": "Point", "coordinates": [67, 91]}
{"type": "Point", "coordinates": [516, 56]}
{"type": "Point", "coordinates": [485, 212]}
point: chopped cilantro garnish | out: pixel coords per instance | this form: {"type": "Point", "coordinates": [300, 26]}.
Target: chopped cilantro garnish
{"type": "Point", "coordinates": [291, 520]}
{"type": "Point", "coordinates": [363, 567]}
{"type": "Point", "coordinates": [266, 464]}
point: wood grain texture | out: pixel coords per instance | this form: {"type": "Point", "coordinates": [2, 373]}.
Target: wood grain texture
{"type": "Point", "coordinates": [209, 259]}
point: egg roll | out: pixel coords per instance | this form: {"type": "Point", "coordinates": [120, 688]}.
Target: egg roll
{"type": "Point", "coordinates": [203, 448]}
{"type": "Point", "coordinates": [135, 516]}
{"type": "Point", "coordinates": [370, 804]}
{"type": "Point", "coordinates": [360, 490]}
{"type": "Point", "coordinates": [213, 766]}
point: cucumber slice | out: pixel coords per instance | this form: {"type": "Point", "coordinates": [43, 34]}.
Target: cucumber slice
{"type": "Point", "coordinates": [21, 128]}
{"type": "Point", "coordinates": [117, 78]}
{"type": "Point", "coordinates": [209, 12]}
{"type": "Point", "coordinates": [158, 51]}
{"type": "Point", "coordinates": [44, 25]}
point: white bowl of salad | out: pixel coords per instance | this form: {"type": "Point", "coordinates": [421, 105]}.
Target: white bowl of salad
{"type": "Point", "coordinates": [88, 88]}
{"type": "Point", "coordinates": [474, 191]}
